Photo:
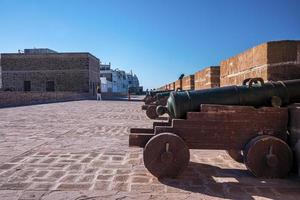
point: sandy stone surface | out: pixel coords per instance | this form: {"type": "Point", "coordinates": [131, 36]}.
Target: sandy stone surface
{"type": "Point", "coordinates": [79, 150]}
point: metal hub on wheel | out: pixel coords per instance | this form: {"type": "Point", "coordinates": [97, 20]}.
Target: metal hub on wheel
{"type": "Point", "coordinates": [166, 155]}
{"type": "Point", "coordinates": [268, 157]}
{"type": "Point", "coordinates": [151, 112]}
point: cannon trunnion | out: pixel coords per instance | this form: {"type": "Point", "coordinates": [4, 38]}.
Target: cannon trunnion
{"type": "Point", "coordinates": [259, 133]}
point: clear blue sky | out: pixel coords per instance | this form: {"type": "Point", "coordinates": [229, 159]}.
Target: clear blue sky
{"type": "Point", "coordinates": [157, 39]}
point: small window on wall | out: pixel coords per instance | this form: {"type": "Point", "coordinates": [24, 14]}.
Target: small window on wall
{"type": "Point", "coordinates": [27, 86]}
{"type": "Point", "coordinates": [50, 86]}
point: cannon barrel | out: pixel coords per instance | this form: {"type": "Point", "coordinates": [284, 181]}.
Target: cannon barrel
{"type": "Point", "coordinates": [151, 96]}
{"type": "Point", "coordinates": [278, 93]}
{"type": "Point", "coordinates": [157, 97]}
{"type": "Point", "coordinates": [153, 93]}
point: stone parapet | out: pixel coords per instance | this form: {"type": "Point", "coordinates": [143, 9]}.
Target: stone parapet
{"type": "Point", "coordinates": [277, 60]}
{"type": "Point", "coordinates": [27, 98]}
{"type": "Point", "coordinates": [209, 77]}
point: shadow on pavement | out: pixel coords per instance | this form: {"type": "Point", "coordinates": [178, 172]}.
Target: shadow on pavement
{"type": "Point", "coordinates": [231, 183]}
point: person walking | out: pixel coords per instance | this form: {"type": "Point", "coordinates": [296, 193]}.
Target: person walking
{"type": "Point", "coordinates": [98, 93]}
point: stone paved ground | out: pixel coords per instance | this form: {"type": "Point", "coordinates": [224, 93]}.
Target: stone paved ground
{"type": "Point", "coordinates": [79, 150]}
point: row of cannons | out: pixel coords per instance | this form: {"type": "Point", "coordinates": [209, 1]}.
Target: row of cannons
{"type": "Point", "coordinates": [257, 123]}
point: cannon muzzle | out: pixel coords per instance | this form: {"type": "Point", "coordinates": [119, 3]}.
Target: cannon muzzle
{"type": "Point", "coordinates": [161, 110]}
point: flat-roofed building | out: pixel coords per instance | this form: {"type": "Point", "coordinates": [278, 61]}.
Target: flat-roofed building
{"type": "Point", "coordinates": [48, 70]}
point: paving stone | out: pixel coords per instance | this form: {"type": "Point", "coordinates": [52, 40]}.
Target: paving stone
{"type": "Point", "coordinates": [102, 185]}
{"type": "Point", "coordinates": [104, 177]}
{"type": "Point", "coordinates": [31, 195]}
{"type": "Point", "coordinates": [69, 178]}
{"type": "Point", "coordinates": [74, 186]}
{"type": "Point", "coordinates": [106, 171]}
{"type": "Point", "coordinates": [87, 178]}
{"type": "Point", "coordinates": [49, 160]}
{"type": "Point", "coordinates": [42, 186]}
{"type": "Point", "coordinates": [80, 150]}
{"type": "Point", "coordinates": [147, 188]}
{"type": "Point", "coordinates": [10, 194]}
{"type": "Point", "coordinates": [87, 160]}
{"type": "Point", "coordinates": [74, 167]}
{"type": "Point", "coordinates": [123, 171]}
{"type": "Point", "coordinates": [91, 170]}
{"type": "Point", "coordinates": [120, 186]}
{"type": "Point", "coordinates": [121, 178]}
{"type": "Point", "coordinates": [15, 186]}
{"type": "Point", "coordinates": [41, 173]}
{"type": "Point", "coordinates": [57, 174]}
{"type": "Point", "coordinates": [7, 166]}
{"type": "Point", "coordinates": [141, 179]}
{"type": "Point", "coordinates": [16, 160]}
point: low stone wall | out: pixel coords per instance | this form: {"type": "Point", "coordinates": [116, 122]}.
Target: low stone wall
{"type": "Point", "coordinates": [27, 98]}
{"type": "Point", "coordinates": [277, 60]}
{"type": "Point", "coordinates": [114, 94]}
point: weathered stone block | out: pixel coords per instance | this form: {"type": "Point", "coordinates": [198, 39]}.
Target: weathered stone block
{"type": "Point", "coordinates": [188, 82]}
{"type": "Point", "coordinates": [207, 78]}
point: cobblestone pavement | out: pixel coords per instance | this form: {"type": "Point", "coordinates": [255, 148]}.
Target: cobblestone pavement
{"type": "Point", "coordinates": [79, 150]}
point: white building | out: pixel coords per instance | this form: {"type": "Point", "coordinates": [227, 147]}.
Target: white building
{"type": "Point", "coordinates": [106, 78]}
{"type": "Point", "coordinates": [119, 81]}
{"type": "Point", "coordinates": [133, 82]}
{"type": "Point", "coordinates": [113, 81]}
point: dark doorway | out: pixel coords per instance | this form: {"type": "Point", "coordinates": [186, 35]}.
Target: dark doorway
{"type": "Point", "coordinates": [50, 87]}
{"type": "Point", "coordinates": [27, 86]}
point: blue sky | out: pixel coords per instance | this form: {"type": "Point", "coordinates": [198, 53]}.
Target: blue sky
{"type": "Point", "coordinates": [156, 39]}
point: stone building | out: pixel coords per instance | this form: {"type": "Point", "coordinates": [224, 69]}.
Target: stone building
{"type": "Point", "coordinates": [47, 70]}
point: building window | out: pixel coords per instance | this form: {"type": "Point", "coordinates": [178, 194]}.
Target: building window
{"type": "Point", "coordinates": [27, 86]}
{"type": "Point", "coordinates": [50, 87]}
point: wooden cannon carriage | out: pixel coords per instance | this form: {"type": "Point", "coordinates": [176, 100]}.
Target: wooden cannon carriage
{"type": "Point", "coordinates": [259, 133]}
{"type": "Point", "coordinates": [150, 106]}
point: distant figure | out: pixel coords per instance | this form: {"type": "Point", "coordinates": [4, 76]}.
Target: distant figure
{"type": "Point", "coordinates": [181, 77]}
{"type": "Point", "coordinates": [98, 93]}
{"type": "Point", "coordinates": [129, 98]}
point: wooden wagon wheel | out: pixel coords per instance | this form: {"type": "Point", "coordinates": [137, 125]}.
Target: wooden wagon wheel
{"type": "Point", "coordinates": [148, 99]}
{"type": "Point", "coordinates": [151, 112]}
{"type": "Point", "coordinates": [268, 157]}
{"type": "Point", "coordinates": [166, 155]}
{"type": "Point", "coordinates": [236, 155]}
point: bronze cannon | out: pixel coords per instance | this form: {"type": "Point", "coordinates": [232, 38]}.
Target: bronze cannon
{"type": "Point", "coordinates": [159, 99]}
{"type": "Point", "coordinates": [251, 120]}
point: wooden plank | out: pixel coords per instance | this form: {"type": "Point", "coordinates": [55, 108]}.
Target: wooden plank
{"type": "Point", "coordinates": [161, 124]}
{"type": "Point", "coordinates": [141, 130]}
{"type": "Point", "coordinates": [139, 139]}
